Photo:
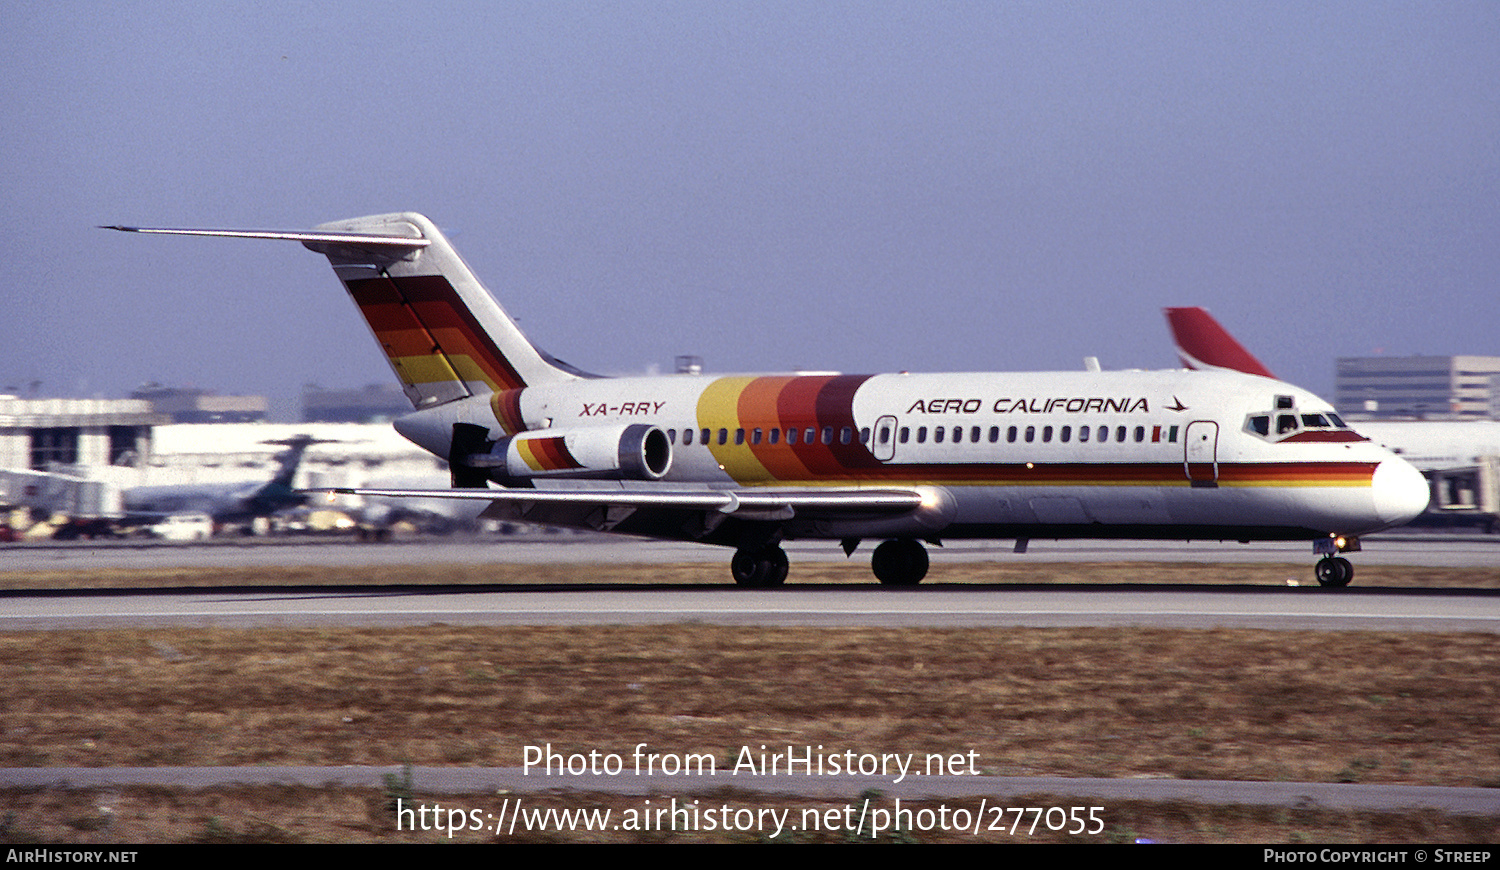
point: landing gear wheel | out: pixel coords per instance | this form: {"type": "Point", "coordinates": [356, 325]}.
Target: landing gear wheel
{"type": "Point", "coordinates": [902, 562]}
{"type": "Point", "coordinates": [1334, 571]}
{"type": "Point", "coordinates": [759, 568]}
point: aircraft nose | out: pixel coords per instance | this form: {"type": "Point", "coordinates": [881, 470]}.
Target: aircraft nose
{"type": "Point", "coordinates": [1401, 492]}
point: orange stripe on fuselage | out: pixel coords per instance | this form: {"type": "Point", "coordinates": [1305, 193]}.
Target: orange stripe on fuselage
{"type": "Point", "coordinates": [758, 409]}
{"type": "Point", "coordinates": [809, 403]}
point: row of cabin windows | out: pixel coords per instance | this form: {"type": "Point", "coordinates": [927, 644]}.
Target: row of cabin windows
{"type": "Point", "coordinates": [955, 434]}
{"type": "Point", "coordinates": [810, 435]}
{"type": "Point", "coordinates": [1029, 434]}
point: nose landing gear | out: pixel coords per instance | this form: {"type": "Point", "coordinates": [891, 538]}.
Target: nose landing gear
{"type": "Point", "coordinates": [1334, 570]}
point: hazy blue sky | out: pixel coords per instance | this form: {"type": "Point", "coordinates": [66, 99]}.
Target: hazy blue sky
{"type": "Point", "coordinates": [863, 186]}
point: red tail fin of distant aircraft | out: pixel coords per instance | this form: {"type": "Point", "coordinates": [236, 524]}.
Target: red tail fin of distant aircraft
{"type": "Point", "coordinates": [1203, 344]}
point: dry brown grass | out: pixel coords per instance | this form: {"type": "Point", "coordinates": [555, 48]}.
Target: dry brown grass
{"type": "Point", "coordinates": [1225, 704]}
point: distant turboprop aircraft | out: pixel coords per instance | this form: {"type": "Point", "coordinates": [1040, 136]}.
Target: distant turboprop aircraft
{"type": "Point", "coordinates": [750, 461]}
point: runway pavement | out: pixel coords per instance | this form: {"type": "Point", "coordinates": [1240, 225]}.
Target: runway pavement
{"type": "Point", "coordinates": [1303, 606]}
{"type": "Point", "coordinates": [1406, 548]}
{"type": "Point", "coordinates": [933, 607]}
{"type": "Point", "coordinates": [511, 780]}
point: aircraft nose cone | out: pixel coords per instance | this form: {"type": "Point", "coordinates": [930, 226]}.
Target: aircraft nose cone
{"type": "Point", "coordinates": [1401, 492]}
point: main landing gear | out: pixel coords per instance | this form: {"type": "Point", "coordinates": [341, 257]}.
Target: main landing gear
{"type": "Point", "coordinates": [759, 567]}
{"type": "Point", "coordinates": [902, 562]}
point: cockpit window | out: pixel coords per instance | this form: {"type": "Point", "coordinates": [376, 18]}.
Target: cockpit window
{"type": "Point", "coordinates": [1298, 426]}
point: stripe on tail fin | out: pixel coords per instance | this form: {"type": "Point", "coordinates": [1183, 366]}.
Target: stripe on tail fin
{"type": "Point", "coordinates": [443, 333]}
{"type": "Point", "coordinates": [445, 336]}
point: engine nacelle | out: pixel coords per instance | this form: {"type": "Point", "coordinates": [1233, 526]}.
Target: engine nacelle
{"type": "Point", "coordinates": [635, 452]}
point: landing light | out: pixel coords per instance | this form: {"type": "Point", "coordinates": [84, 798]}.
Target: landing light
{"type": "Point", "coordinates": [1346, 543]}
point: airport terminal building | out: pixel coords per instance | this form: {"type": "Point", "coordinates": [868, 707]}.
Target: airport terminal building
{"type": "Point", "coordinates": [1418, 388]}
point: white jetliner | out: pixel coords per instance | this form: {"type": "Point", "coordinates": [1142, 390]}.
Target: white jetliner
{"type": "Point", "coordinates": [750, 461]}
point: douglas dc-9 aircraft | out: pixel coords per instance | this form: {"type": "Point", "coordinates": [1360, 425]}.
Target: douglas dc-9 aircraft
{"type": "Point", "coordinates": [750, 461]}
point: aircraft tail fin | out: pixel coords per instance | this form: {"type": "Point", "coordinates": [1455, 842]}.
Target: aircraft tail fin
{"type": "Point", "coordinates": [277, 493]}
{"type": "Point", "coordinates": [1203, 344]}
{"type": "Point", "coordinates": [444, 335]}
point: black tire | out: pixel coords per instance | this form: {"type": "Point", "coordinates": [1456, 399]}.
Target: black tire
{"type": "Point", "coordinates": [1334, 572]}
{"type": "Point", "coordinates": [759, 568]}
{"type": "Point", "coordinates": [902, 562]}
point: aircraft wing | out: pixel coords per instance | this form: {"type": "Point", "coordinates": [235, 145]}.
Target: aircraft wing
{"type": "Point", "coordinates": [760, 503]}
